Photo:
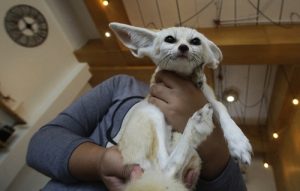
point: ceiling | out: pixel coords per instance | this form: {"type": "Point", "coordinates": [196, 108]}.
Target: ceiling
{"type": "Point", "coordinates": [206, 13]}
{"type": "Point", "coordinates": [254, 83]}
{"type": "Point", "coordinates": [253, 52]}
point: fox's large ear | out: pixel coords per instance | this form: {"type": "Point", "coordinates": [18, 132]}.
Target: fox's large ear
{"type": "Point", "coordinates": [138, 40]}
{"type": "Point", "coordinates": [213, 55]}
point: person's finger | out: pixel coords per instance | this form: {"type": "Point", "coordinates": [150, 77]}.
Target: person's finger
{"type": "Point", "coordinates": [114, 165]}
{"type": "Point", "coordinates": [136, 173]}
{"type": "Point", "coordinates": [191, 178]}
{"type": "Point", "coordinates": [162, 105]}
{"type": "Point", "coordinates": [114, 183]}
{"type": "Point", "coordinates": [127, 170]}
{"type": "Point", "coordinates": [117, 168]}
{"type": "Point", "coordinates": [161, 92]}
{"type": "Point", "coordinates": [170, 79]}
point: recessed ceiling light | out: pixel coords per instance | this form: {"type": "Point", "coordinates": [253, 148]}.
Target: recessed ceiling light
{"type": "Point", "coordinates": [105, 2]}
{"type": "Point", "coordinates": [230, 98]}
{"type": "Point", "coordinates": [266, 165]}
{"type": "Point", "coordinates": [275, 135]}
{"type": "Point", "coordinates": [230, 95]}
{"type": "Point", "coordinates": [107, 34]}
{"type": "Point", "coordinates": [295, 101]}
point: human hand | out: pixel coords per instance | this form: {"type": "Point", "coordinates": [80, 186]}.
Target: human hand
{"type": "Point", "coordinates": [112, 171]}
{"type": "Point", "coordinates": [191, 178]}
{"type": "Point", "coordinates": [178, 98]}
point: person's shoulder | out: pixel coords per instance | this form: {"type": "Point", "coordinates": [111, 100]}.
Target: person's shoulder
{"type": "Point", "coordinates": [121, 79]}
{"type": "Point", "coordinates": [124, 81]}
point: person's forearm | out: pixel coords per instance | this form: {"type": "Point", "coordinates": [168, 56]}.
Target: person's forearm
{"type": "Point", "coordinates": [84, 161]}
{"type": "Point", "coordinates": [214, 154]}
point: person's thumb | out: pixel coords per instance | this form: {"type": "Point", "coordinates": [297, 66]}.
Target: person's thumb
{"type": "Point", "coordinates": [131, 171]}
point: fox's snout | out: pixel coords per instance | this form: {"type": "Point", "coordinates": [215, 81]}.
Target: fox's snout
{"type": "Point", "coordinates": [183, 48]}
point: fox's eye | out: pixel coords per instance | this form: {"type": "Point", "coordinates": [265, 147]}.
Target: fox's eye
{"type": "Point", "coordinates": [170, 39]}
{"type": "Point", "coordinates": [195, 41]}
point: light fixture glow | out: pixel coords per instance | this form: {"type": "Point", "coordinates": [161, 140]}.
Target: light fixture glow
{"type": "Point", "coordinates": [275, 135]}
{"type": "Point", "coordinates": [105, 2]}
{"type": "Point", "coordinates": [295, 101]}
{"type": "Point", "coordinates": [230, 98]}
{"type": "Point", "coordinates": [266, 165]}
{"type": "Point", "coordinates": [230, 95]}
{"type": "Point", "coordinates": [107, 34]}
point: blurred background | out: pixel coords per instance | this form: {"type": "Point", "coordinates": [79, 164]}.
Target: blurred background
{"type": "Point", "coordinates": [53, 51]}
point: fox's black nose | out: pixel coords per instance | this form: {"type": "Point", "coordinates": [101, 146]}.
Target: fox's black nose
{"type": "Point", "coordinates": [183, 48]}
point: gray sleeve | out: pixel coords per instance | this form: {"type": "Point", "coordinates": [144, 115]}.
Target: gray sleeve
{"type": "Point", "coordinates": [51, 147]}
{"type": "Point", "coordinates": [231, 179]}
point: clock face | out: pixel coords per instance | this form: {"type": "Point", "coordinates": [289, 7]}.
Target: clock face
{"type": "Point", "coordinates": [26, 25]}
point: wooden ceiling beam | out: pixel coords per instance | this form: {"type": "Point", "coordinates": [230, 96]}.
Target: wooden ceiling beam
{"type": "Point", "coordinates": [261, 54]}
{"type": "Point", "coordinates": [253, 35]}
{"type": "Point", "coordinates": [267, 44]}
{"type": "Point", "coordinates": [238, 46]}
{"type": "Point", "coordinates": [142, 73]}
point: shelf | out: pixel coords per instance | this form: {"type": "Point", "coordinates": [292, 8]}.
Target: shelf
{"type": "Point", "coordinates": [17, 119]}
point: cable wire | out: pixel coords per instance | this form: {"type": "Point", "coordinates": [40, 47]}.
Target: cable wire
{"type": "Point", "coordinates": [281, 11]}
{"type": "Point", "coordinates": [159, 14]}
{"type": "Point", "coordinates": [140, 12]}
{"type": "Point", "coordinates": [263, 95]}
{"type": "Point", "coordinates": [197, 13]}
{"type": "Point", "coordinates": [247, 91]}
{"type": "Point", "coordinates": [178, 12]}
{"type": "Point", "coordinates": [266, 17]}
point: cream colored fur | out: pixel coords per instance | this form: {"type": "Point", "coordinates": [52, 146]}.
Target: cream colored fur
{"type": "Point", "coordinates": [146, 138]}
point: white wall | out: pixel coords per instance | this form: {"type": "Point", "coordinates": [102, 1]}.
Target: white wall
{"type": "Point", "coordinates": [43, 81]}
{"type": "Point", "coordinates": [74, 19]}
{"type": "Point", "coordinates": [26, 71]}
{"type": "Point", "coordinates": [259, 178]}
{"type": "Point", "coordinates": [29, 180]}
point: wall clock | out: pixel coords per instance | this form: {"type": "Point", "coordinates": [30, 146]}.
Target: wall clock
{"type": "Point", "coordinates": [26, 25]}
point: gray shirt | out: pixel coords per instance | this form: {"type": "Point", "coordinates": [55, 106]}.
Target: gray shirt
{"type": "Point", "coordinates": [96, 117]}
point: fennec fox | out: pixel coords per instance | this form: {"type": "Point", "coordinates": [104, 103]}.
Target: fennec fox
{"type": "Point", "coordinates": [147, 139]}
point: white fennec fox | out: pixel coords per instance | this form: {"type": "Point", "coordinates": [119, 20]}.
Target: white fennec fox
{"type": "Point", "coordinates": [146, 138]}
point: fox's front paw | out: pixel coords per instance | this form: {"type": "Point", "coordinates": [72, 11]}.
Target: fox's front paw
{"type": "Point", "coordinates": [239, 145]}
{"type": "Point", "coordinates": [201, 124]}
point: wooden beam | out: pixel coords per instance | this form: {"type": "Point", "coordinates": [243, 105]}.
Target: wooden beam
{"type": "Point", "coordinates": [260, 45]}
{"type": "Point", "coordinates": [261, 54]}
{"type": "Point", "coordinates": [267, 44]}
{"type": "Point", "coordinates": [142, 73]}
{"type": "Point", "coordinates": [253, 35]}
{"type": "Point", "coordinates": [94, 54]}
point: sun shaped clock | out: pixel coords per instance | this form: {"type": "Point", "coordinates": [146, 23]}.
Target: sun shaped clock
{"type": "Point", "coordinates": [26, 25]}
